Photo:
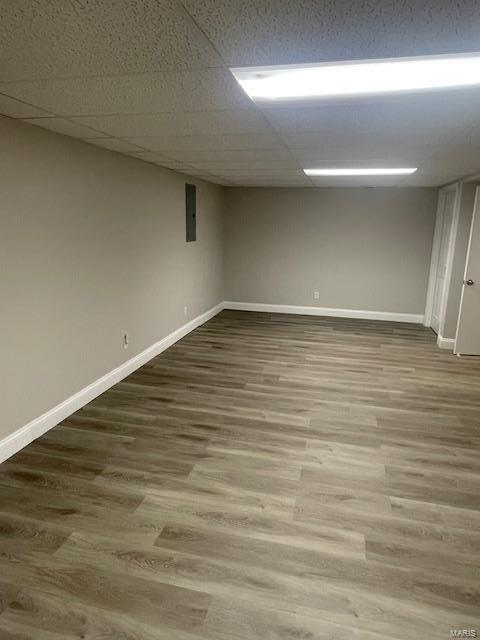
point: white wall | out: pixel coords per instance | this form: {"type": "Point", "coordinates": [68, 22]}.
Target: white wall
{"type": "Point", "coordinates": [92, 244]}
{"type": "Point", "coordinates": [366, 249]}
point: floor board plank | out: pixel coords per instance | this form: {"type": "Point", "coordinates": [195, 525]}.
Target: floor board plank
{"type": "Point", "coordinates": [268, 476]}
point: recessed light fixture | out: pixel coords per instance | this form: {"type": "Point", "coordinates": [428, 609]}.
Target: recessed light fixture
{"type": "Point", "coordinates": [394, 171]}
{"type": "Point", "coordinates": [306, 82]}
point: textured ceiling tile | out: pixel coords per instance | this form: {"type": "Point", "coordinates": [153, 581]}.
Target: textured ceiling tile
{"type": "Point", "coordinates": [406, 114]}
{"type": "Point", "coordinates": [214, 180]}
{"type": "Point", "coordinates": [389, 143]}
{"type": "Point", "coordinates": [259, 32]}
{"type": "Point", "coordinates": [335, 158]}
{"type": "Point", "coordinates": [49, 39]}
{"type": "Point", "coordinates": [200, 90]}
{"type": "Point", "coordinates": [66, 127]}
{"type": "Point", "coordinates": [359, 159]}
{"type": "Point", "coordinates": [191, 173]}
{"type": "Point", "coordinates": [459, 159]}
{"type": "Point", "coordinates": [179, 167]}
{"type": "Point", "coordinates": [259, 173]}
{"type": "Point", "coordinates": [273, 182]}
{"type": "Point", "coordinates": [349, 147]}
{"type": "Point", "coordinates": [115, 145]}
{"type": "Point", "coordinates": [161, 124]}
{"type": "Point", "coordinates": [16, 109]}
{"type": "Point", "coordinates": [429, 180]}
{"type": "Point", "coordinates": [220, 156]}
{"type": "Point", "coordinates": [195, 174]}
{"type": "Point", "coordinates": [155, 158]}
{"type": "Point", "coordinates": [167, 163]}
{"type": "Point", "coordinates": [278, 166]}
{"type": "Point", "coordinates": [164, 90]}
{"type": "Point", "coordinates": [360, 181]}
{"type": "Point", "coordinates": [458, 156]}
{"type": "Point", "coordinates": [209, 143]}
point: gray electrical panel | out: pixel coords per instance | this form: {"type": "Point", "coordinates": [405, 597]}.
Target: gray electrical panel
{"type": "Point", "coordinates": [191, 212]}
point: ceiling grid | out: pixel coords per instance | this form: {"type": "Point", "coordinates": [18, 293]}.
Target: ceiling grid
{"type": "Point", "coordinates": [150, 79]}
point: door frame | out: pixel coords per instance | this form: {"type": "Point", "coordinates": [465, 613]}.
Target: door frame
{"type": "Point", "coordinates": [437, 238]}
{"type": "Point", "coordinates": [476, 204]}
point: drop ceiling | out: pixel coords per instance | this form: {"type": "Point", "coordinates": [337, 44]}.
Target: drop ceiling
{"type": "Point", "coordinates": [151, 79]}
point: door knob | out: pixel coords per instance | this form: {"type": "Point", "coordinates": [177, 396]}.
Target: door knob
{"type": "Point", "coordinates": [469, 282]}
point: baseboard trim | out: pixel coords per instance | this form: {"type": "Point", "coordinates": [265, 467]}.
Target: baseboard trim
{"type": "Point", "coordinates": [325, 311]}
{"type": "Point", "coordinates": [446, 343]}
{"type": "Point", "coordinates": [23, 436]}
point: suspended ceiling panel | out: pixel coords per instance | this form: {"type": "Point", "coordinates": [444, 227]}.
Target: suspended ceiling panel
{"type": "Point", "coordinates": [45, 39]}
{"type": "Point", "coordinates": [253, 32]}
{"type": "Point", "coordinates": [151, 79]}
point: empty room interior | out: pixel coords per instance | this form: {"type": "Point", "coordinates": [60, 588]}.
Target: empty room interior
{"type": "Point", "coordinates": [239, 320]}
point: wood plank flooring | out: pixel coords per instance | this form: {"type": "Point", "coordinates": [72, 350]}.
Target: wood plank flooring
{"type": "Point", "coordinates": [269, 477]}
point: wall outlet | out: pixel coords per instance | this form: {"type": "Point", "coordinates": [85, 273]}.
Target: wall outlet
{"type": "Point", "coordinates": [125, 340]}
{"type": "Point", "coordinates": [185, 311]}
{"type": "Point", "coordinates": [316, 295]}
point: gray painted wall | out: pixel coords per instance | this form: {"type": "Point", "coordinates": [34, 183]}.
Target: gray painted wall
{"type": "Point", "coordinates": [92, 244]}
{"type": "Point", "coordinates": [363, 249]}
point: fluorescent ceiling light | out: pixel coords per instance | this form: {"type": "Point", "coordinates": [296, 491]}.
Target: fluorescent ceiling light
{"type": "Point", "coordinates": [300, 82]}
{"type": "Point", "coordinates": [400, 171]}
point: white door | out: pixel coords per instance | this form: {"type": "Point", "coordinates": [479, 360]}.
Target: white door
{"type": "Point", "coordinates": [446, 222]}
{"type": "Point", "coordinates": [468, 329]}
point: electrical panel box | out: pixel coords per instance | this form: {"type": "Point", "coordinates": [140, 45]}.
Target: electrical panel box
{"type": "Point", "coordinates": [191, 212]}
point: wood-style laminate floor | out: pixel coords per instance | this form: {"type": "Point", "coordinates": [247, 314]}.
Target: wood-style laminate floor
{"type": "Point", "coordinates": [269, 477]}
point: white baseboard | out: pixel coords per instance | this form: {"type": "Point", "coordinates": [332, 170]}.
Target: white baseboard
{"type": "Point", "coordinates": [325, 311]}
{"type": "Point", "coordinates": [23, 436]}
{"type": "Point", "coordinates": [446, 343]}
{"type": "Point", "coordinates": [34, 429]}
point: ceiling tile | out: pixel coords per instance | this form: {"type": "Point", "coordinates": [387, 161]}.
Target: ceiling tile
{"type": "Point", "coordinates": [428, 180]}
{"type": "Point", "coordinates": [214, 180]}
{"type": "Point", "coordinates": [257, 166]}
{"type": "Point", "coordinates": [191, 173]}
{"type": "Point", "coordinates": [16, 109]}
{"type": "Point", "coordinates": [360, 181]}
{"type": "Point", "coordinates": [459, 155]}
{"type": "Point", "coordinates": [200, 90]}
{"type": "Point", "coordinates": [303, 143]}
{"type": "Point", "coordinates": [66, 127]}
{"type": "Point", "coordinates": [196, 123]}
{"type": "Point", "coordinates": [344, 160]}
{"type": "Point", "coordinates": [404, 114]}
{"type": "Point", "coordinates": [345, 147]}
{"type": "Point", "coordinates": [45, 39]}
{"type": "Point", "coordinates": [167, 163]}
{"type": "Point", "coordinates": [113, 144]}
{"type": "Point", "coordinates": [226, 156]}
{"type": "Point", "coordinates": [179, 167]}
{"type": "Point", "coordinates": [297, 31]}
{"type": "Point", "coordinates": [460, 161]}
{"type": "Point", "coordinates": [143, 77]}
{"type": "Point", "coordinates": [257, 173]}
{"type": "Point", "coordinates": [209, 143]}
{"type": "Point", "coordinates": [362, 154]}
{"type": "Point", "coordinates": [268, 181]}
{"type": "Point", "coordinates": [156, 158]}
